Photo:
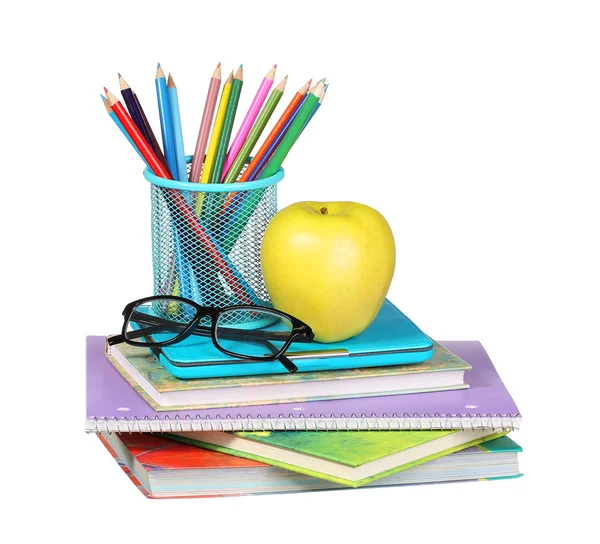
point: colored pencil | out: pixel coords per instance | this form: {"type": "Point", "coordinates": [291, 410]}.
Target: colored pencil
{"type": "Point", "coordinates": [255, 132]}
{"type": "Point", "coordinates": [179, 202]}
{"type": "Point", "coordinates": [166, 124]}
{"type": "Point", "coordinates": [243, 205]}
{"type": "Point", "coordinates": [294, 131]}
{"type": "Point", "coordinates": [258, 168]}
{"type": "Point", "coordinates": [177, 130]}
{"type": "Point", "coordinates": [214, 141]}
{"type": "Point", "coordinates": [120, 125]}
{"type": "Point", "coordinates": [312, 114]}
{"type": "Point", "coordinates": [249, 120]}
{"type": "Point", "coordinates": [234, 97]}
{"type": "Point", "coordinates": [132, 107]}
{"type": "Point", "coordinates": [216, 131]}
{"type": "Point", "coordinates": [275, 144]}
{"type": "Point", "coordinates": [275, 130]}
{"type": "Point", "coordinates": [207, 117]}
{"type": "Point", "coordinates": [153, 141]}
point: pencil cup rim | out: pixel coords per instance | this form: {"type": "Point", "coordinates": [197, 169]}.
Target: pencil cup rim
{"type": "Point", "coordinates": [213, 187]}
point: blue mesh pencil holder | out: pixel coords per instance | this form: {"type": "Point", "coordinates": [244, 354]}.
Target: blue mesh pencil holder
{"type": "Point", "coordinates": [206, 239]}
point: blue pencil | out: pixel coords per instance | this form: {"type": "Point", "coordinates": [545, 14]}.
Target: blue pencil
{"type": "Point", "coordinates": [177, 130]}
{"type": "Point", "coordinates": [166, 124]}
{"type": "Point", "coordinates": [120, 125]}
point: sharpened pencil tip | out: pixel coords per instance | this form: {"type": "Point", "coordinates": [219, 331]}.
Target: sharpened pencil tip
{"type": "Point", "coordinates": [105, 90]}
{"type": "Point", "coordinates": [158, 66]}
{"type": "Point", "coordinates": [103, 97]}
{"type": "Point", "coordinates": [119, 74]}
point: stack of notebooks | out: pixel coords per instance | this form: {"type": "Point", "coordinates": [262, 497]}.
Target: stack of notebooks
{"type": "Point", "coordinates": [375, 419]}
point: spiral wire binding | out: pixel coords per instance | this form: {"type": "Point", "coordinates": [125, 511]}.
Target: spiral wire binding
{"type": "Point", "coordinates": [322, 422]}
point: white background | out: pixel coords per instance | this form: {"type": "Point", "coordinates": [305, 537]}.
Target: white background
{"type": "Point", "coordinates": [473, 127]}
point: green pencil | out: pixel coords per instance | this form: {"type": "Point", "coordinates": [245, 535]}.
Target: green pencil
{"type": "Point", "coordinates": [234, 98]}
{"type": "Point", "coordinates": [293, 132]}
{"type": "Point", "coordinates": [254, 135]}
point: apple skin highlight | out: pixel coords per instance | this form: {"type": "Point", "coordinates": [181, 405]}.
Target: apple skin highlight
{"type": "Point", "coordinates": [330, 264]}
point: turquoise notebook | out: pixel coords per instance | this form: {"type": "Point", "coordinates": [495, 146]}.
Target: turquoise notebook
{"type": "Point", "coordinates": [391, 339]}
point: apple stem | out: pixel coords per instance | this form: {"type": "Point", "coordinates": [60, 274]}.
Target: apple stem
{"type": "Point", "coordinates": [324, 210]}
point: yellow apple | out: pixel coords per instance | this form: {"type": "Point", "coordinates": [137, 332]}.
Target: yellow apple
{"type": "Point", "coordinates": [330, 264]}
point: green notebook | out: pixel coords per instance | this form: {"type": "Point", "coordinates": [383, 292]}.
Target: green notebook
{"type": "Point", "coordinates": [351, 458]}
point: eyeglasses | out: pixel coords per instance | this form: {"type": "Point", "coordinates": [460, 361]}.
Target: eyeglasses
{"type": "Point", "coordinates": [243, 332]}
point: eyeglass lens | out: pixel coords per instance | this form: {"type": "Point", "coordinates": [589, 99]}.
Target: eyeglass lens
{"type": "Point", "coordinates": [234, 332]}
{"type": "Point", "coordinates": [163, 320]}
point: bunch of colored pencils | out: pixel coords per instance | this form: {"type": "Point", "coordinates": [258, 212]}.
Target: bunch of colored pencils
{"type": "Point", "coordinates": [217, 158]}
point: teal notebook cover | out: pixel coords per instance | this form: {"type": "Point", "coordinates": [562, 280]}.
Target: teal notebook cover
{"type": "Point", "coordinates": [391, 339]}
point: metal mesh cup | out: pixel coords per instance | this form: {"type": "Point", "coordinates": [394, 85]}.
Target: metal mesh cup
{"type": "Point", "coordinates": [206, 239]}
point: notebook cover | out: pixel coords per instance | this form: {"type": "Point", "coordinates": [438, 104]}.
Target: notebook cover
{"type": "Point", "coordinates": [164, 382]}
{"type": "Point", "coordinates": [110, 397]}
{"type": "Point", "coordinates": [348, 448]}
{"type": "Point", "coordinates": [160, 454]}
{"type": "Point", "coordinates": [392, 338]}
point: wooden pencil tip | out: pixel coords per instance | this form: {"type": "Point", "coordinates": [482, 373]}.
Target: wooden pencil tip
{"type": "Point", "coordinates": [305, 87]}
{"type": "Point", "coordinates": [103, 97]}
{"type": "Point", "coordinates": [159, 72]}
{"type": "Point", "coordinates": [171, 83]}
{"type": "Point", "coordinates": [230, 78]}
{"type": "Point", "coordinates": [106, 90]}
{"type": "Point", "coordinates": [157, 65]}
{"type": "Point", "coordinates": [111, 97]}
{"type": "Point", "coordinates": [122, 83]}
{"type": "Point", "coordinates": [271, 73]}
{"type": "Point", "coordinates": [318, 90]}
{"type": "Point", "coordinates": [217, 72]}
{"type": "Point", "coordinates": [240, 73]}
{"type": "Point", "coordinates": [282, 84]}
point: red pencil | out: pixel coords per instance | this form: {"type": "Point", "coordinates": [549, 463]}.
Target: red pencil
{"type": "Point", "coordinates": [177, 198]}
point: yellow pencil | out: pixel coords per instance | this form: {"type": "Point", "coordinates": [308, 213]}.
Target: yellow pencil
{"type": "Point", "coordinates": [214, 140]}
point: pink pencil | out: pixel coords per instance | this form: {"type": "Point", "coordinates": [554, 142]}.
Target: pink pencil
{"type": "Point", "coordinates": [248, 121]}
{"type": "Point", "coordinates": [203, 133]}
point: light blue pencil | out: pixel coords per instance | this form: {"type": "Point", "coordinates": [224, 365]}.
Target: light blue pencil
{"type": "Point", "coordinates": [177, 130]}
{"type": "Point", "coordinates": [120, 125]}
{"type": "Point", "coordinates": [166, 124]}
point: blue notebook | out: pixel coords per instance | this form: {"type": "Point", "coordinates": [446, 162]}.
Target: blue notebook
{"type": "Point", "coordinates": [391, 339]}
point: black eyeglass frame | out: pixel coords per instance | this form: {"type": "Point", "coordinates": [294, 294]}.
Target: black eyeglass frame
{"type": "Point", "coordinates": [300, 332]}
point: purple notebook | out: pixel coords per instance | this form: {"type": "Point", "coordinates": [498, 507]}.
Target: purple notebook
{"type": "Point", "coordinates": [113, 405]}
